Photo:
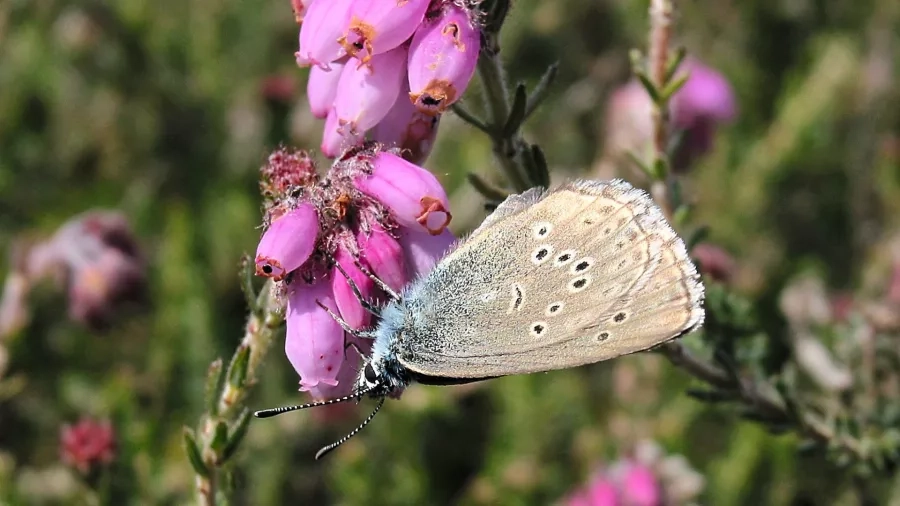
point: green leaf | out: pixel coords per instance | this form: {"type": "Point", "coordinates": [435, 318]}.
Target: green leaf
{"type": "Point", "coordinates": [675, 62]}
{"type": "Point", "coordinates": [539, 93]}
{"type": "Point", "coordinates": [193, 453]}
{"type": "Point", "coordinates": [673, 87]}
{"type": "Point", "coordinates": [220, 438]}
{"type": "Point", "coordinates": [246, 272]}
{"type": "Point", "coordinates": [238, 431]}
{"type": "Point", "coordinates": [471, 119]}
{"type": "Point", "coordinates": [213, 386]}
{"type": "Point", "coordinates": [488, 190]}
{"type": "Point", "coordinates": [649, 87]}
{"type": "Point", "coordinates": [237, 369]}
{"type": "Point", "coordinates": [541, 168]}
{"type": "Point", "coordinates": [517, 112]}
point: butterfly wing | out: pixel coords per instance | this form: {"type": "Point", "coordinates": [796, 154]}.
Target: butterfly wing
{"type": "Point", "coordinates": [583, 273]}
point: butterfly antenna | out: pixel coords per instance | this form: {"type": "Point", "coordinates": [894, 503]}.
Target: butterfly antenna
{"type": "Point", "coordinates": [267, 413]}
{"type": "Point", "coordinates": [355, 288]}
{"type": "Point", "coordinates": [321, 453]}
{"type": "Point", "coordinates": [343, 323]}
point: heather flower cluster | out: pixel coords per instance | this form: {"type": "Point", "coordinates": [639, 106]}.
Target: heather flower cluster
{"type": "Point", "coordinates": [95, 256]}
{"type": "Point", "coordinates": [705, 101]}
{"type": "Point", "coordinates": [646, 478]}
{"type": "Point", "coordinates": [373, 211]}
{"type": "Point", "coordinates": [385, 70]}
{"type": "Point", "coordinates": [88, 444]}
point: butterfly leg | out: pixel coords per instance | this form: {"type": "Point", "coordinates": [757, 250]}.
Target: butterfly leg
{"type": "Point", "coordinates": [353, 286]}
{"type": "Point", "coordinates": [343, 323]}
{"type": "Point", "coordinates": [381, 284]}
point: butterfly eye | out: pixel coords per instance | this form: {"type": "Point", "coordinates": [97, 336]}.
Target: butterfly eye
{"type": "Point", "coordinates": [369, 373]}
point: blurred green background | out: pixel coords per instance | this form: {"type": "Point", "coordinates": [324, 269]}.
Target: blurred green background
{"type": "Point", "coordinates": [165, 110]}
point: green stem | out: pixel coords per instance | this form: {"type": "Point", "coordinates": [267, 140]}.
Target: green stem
{"type": "Point", "coordinates": [506, 147]}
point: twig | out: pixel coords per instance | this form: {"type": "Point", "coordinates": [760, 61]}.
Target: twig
{"type": "Point", "coordinates": [223, 426]}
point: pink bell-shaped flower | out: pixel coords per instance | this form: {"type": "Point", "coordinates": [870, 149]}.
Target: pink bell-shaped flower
{"type": "Point", "coordinates": [365, 93]}
{"type": "Point", "coordinates": [351, 309]}
{"type": "Point", "coordinates": [378, 26]}
{"type": "Point", "coordinates": [323, 24]}
{"type": "Point", "coordinates": [442, 60]}
{"type": "Point", "coordinates": [384, 255]}
{"type": "Point", "coordinates": [314, 341]}
{"type": "Point", "coordinates": [288, 242]}
{"type": "Point", "coordinates": [414, 196]}
{"type": "Point", "coordinates": [321, 88]}
{"type": "Point", "coordinates": [408, 129]}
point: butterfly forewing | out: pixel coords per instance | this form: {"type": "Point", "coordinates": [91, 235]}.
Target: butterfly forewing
{"type": "Point", "coordinates": [583, 273]}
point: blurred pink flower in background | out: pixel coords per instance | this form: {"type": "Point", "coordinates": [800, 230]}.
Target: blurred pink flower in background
{"type": "Point", "coordinates": [96, 257]}
{"type": "Point", "coordinates": [714, 261]}
{"type": "Point", "coordinates": [373, 210]}
{"type": "Point", "coordinates": [646, 478]}
{"type": "Point", "coordinates": [87, 444]}
{"type": "Point", "coordinates": [369, 58]}
{"type": "Point", "coordinates": [704, 102]}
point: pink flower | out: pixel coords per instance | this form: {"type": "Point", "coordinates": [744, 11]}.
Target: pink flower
{"type": "Point", "coordinates": [406, 128]}
{"type": "Point", "coordinates": [87, 444]}
{"type": "Point", "coordinates": [300, 7]}
{"type": "Point", "coordinates": [378, 26]}
{"type": "Point", "coordinates": [95, 286]}
{"type": "Point", "coordinates": [422, 250]}
{"type": "Point", "coordinates": [314, 341]}
{"type": "Point", "coordinates": [287, 242]}
{"type": "Point", "coordinates": [705, 101]}
{"type": "Point", "coordinates": [413, 194]}
{"type": "Point", "coordinates": [442, 60]}
{"type": "Point", "coordinates": [384, 255]}
{"type": "Point", "coordinates": [350, 308]}
{"type": "Point", "coordinates": [705, 95]}
{"type": "Point", "coordinates": [321, 88]}
{"type": "Point", "coordinates": [341, 219]}
{"type": "Point", "coordinates": [639, 486]}
{"type": "Point", "coordinates": [323, 25]}
{"type": "Point", "coordinates": [337, 138]}
{"type": "Point", "coordinates": [714, 261]}
{"type": "Point", "coordinates": [365, 93]}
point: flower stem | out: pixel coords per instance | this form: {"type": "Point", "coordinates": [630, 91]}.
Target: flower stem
{"type": "Point", "coordinates": [758, 395]}
{"type": "Point", "coordinates": [507, 143]}
{"type": "Point", "coordinates": [223, 426]}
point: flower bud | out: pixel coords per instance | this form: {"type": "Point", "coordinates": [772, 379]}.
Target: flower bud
{"type": "Point", "coordinates": [414, 196]}
{"type": "Point", "coordinates": [351, 309]}
{"type": "Point", "coordinates": [406, 128]}
{"type": "Point", "coordinates": [365, 93]}
{"type": "Point", "coordinates": [321, 88]}
{"type": "Point", "coordinates": [377, 26]}
{"type": "Point", "coordinates": [323, 25]}
{"type": "Point", "coordinates": [442, 60]}
{"type": "Point", "coordinates": [384, 255]}
{"type": "Point", "coordinates": [314, 342]}
{"type": "Point", "coordinates": [288, 242]}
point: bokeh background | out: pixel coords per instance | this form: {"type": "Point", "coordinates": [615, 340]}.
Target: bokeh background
{"type": "Point", "coordinates": [165, 110]}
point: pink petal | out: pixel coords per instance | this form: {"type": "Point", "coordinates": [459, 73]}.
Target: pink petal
{"type": "Point", "coordinates": [336, 139]}
{"type": "Point", "coordinates": [385, 256]}
{"type": "Point", "coordinates": [602, 492]}
{"type": "Point", "coordinates": [323, 25]}
{"type": "Point", "coordinates": [406, 128]}
{"type": "Point", "coordinates": [377, 26]}
{"type": "Point", "coordinates": [423, 250]}
{"type": "Point", "coordinates": [314, 342]}
{"type": "Point", "coordinates": [414, 196]}
{"type": "Point", "coordinates": [321, 88]}
{"type": "Point", "coordinates": [706, 94]}
{"type": "Point", "coordinates": [366, 93]}
{"type": "Point", "coordinates": [442, 60]}
{"type": "Point", "coordinates": [350, 308]}
{"type": "Point", "coordinates": [639, 487]}
{"type": "Point", "coordinates": [288, 242]}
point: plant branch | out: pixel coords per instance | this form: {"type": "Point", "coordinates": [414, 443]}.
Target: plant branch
{"type": "Point", "coordinates": [222, 427]}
